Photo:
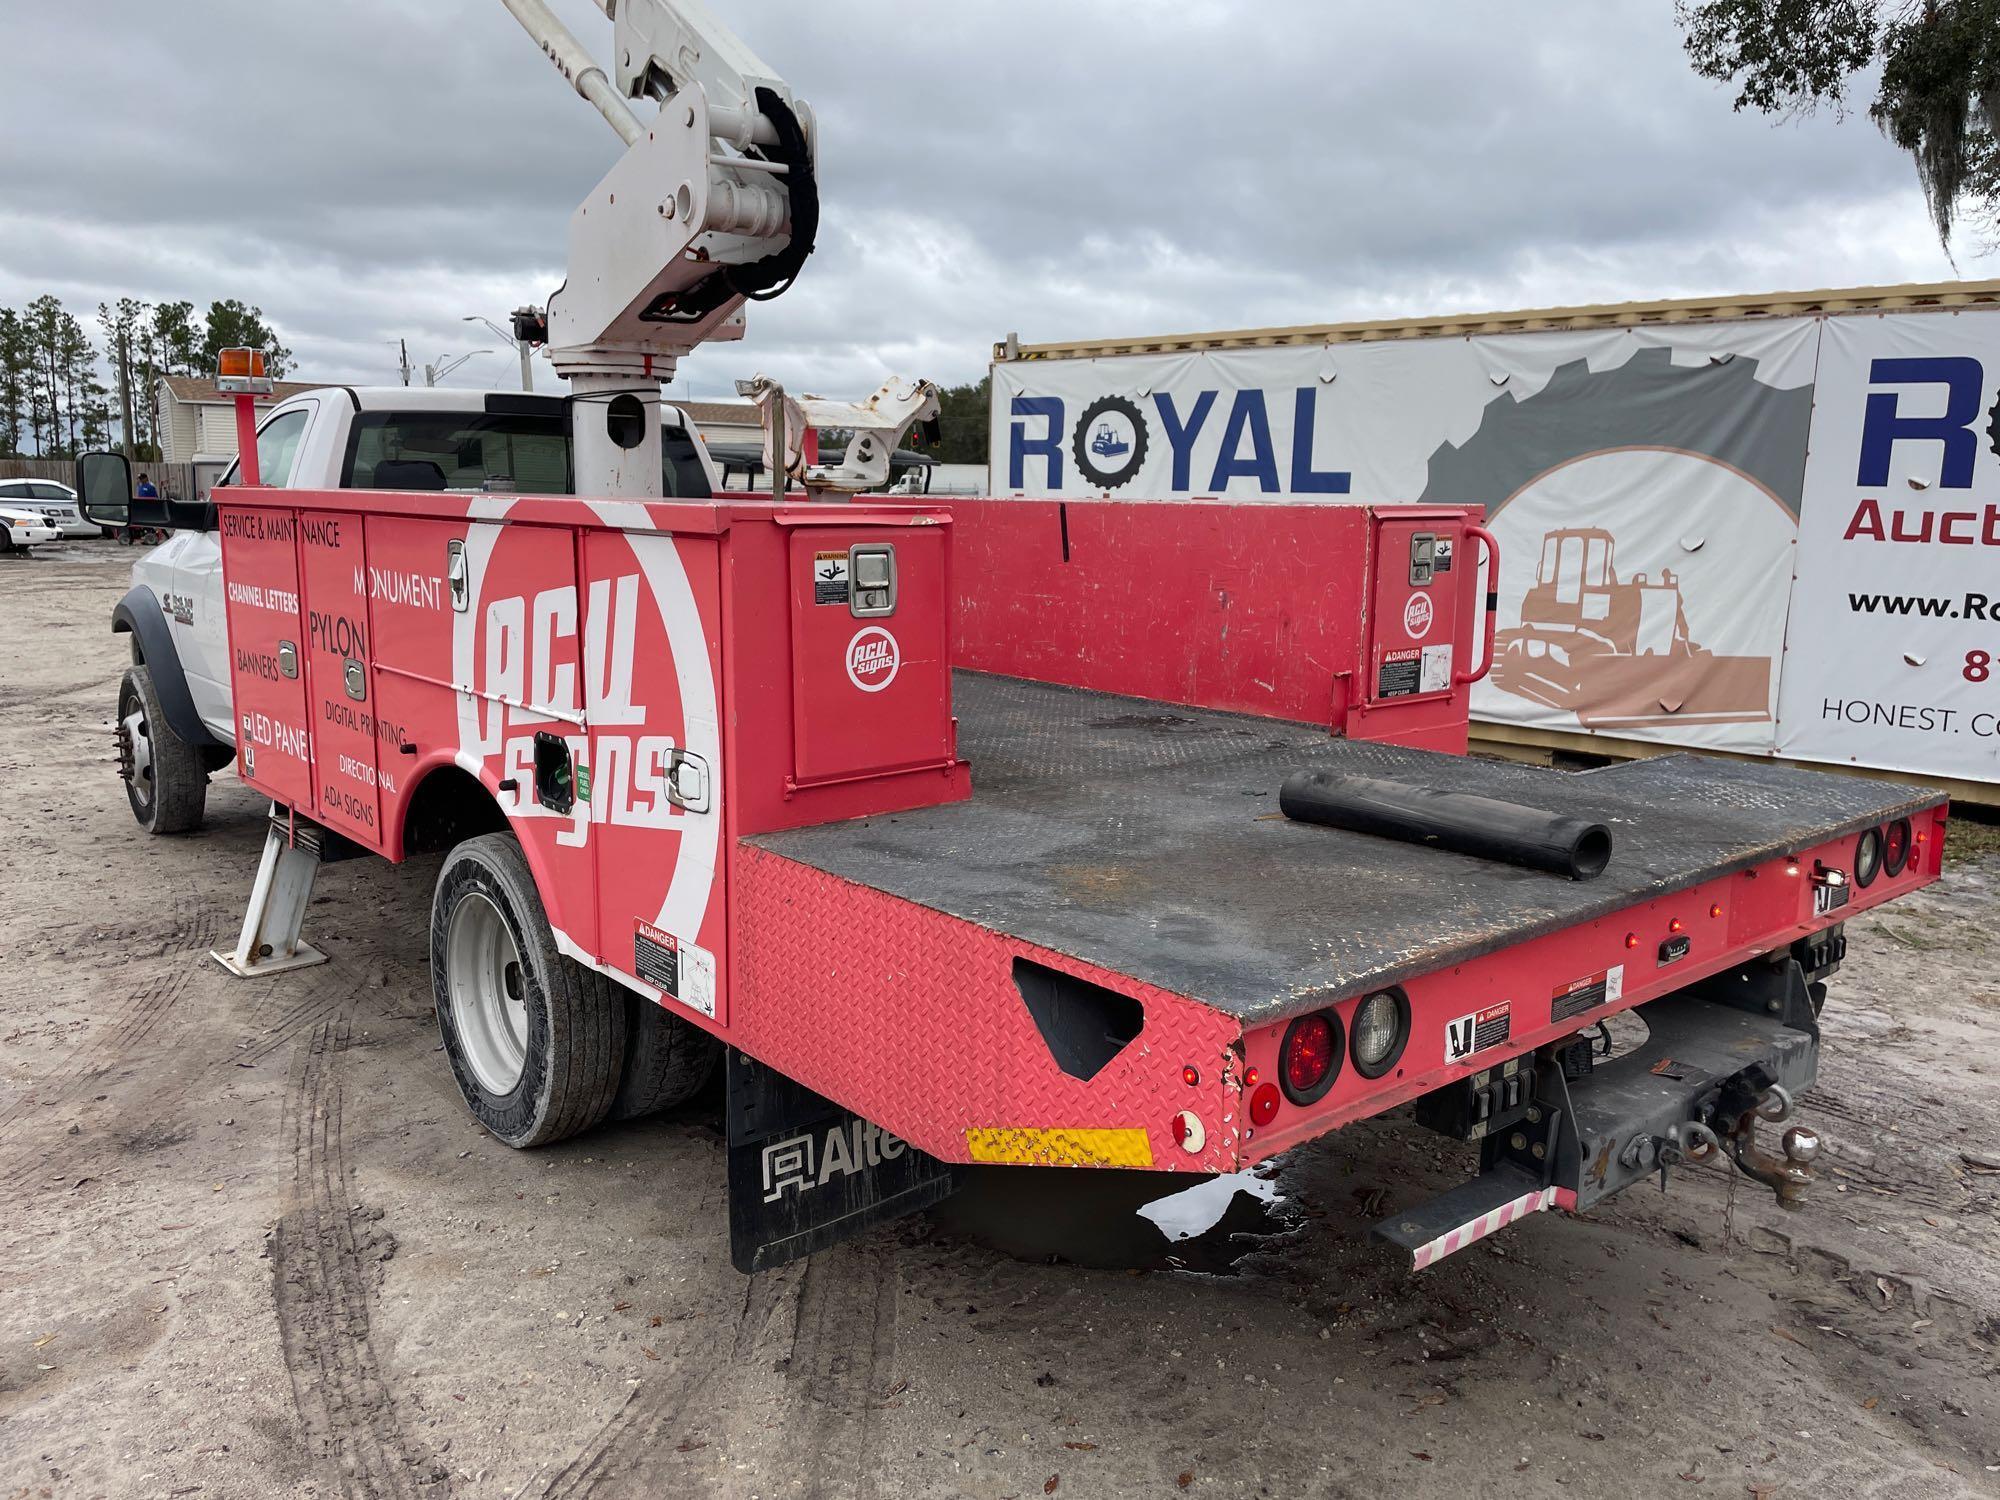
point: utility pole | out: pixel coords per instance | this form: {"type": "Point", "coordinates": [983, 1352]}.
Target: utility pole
{"type": "Point", "coordinates": [403, 349]}
{"type": "Point", "coordinates": [124, 350]}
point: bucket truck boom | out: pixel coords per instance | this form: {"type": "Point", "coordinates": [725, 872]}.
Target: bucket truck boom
{"type": "Point", "coordinates": [714, 204]}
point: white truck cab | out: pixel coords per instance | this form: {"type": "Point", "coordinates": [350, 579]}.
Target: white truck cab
{"type": "Point", "coordinates": [337, 437]}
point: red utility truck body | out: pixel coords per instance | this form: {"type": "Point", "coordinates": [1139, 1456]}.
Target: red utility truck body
{"type": "Point", "coordinates": [965, 817]}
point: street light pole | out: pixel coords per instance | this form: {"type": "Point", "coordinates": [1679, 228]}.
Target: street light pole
{"type": "Point", "coordinates": [526, 350]}
{"type": "Point", "coordinates": [433, 373]}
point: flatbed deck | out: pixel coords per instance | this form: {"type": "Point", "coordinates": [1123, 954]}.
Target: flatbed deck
{"type": "Point", "coordinates": [1145, 838]}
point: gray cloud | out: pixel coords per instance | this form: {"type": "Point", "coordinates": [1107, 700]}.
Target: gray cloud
{"type": "Point", "coordinates": [376, 170]}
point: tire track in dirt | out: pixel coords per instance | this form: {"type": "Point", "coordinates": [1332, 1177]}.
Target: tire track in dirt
{"type": "Point", "coordinates": [132, 1019]}
{"type": "Point", "coordinates": [831, 1323]}
{"type": "Point", "coordinates": [145, 1013]}
{"type": "Point", "coordinates": [324, 1263]}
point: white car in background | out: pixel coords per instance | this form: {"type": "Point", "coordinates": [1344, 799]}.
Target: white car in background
{"type": "Point", "coordinates": [21, 529]}
{"type": "Point", "coordinates": [52, 500]}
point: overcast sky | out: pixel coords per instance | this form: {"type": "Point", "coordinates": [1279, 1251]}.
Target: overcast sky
{"type": "Point", "coordinates": [376, 169]}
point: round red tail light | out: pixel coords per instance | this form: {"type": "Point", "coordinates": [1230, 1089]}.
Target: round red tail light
{"type": "Point", "coordinates": [1896, 846]}
{"type": "Point", "coordinates": [1309, 1056]}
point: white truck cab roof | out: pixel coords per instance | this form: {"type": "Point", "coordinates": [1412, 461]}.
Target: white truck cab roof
{"type": "Point", "coordinates": [426, 438]}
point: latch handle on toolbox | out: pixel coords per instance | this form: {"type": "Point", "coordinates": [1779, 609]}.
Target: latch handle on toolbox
{"type": "Point", "coordinates": [1491, 543]}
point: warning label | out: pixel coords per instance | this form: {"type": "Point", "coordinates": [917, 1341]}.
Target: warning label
{"type": "Point", "coordinates": [1476, 1032]}
{"type": "Point", "coordinates": [1580, 995]}
{"type": "Point", "coordinates": [1436, 674]}
{"type": "Point", "coordinates": [682, 971]}
{"type": "Point", "coordinates": [1401, 674]}
{"type": "Point", "coordinates": [829, 578]}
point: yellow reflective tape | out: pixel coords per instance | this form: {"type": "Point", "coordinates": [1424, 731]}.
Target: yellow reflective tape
{"type": "Point", "coordinates": [1026, 1146]}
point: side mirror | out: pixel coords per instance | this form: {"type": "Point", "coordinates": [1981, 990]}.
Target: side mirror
{"type": "Point", "coordinates": [104, 490]}
{"type": "Point", "coordinates": [189, 515]}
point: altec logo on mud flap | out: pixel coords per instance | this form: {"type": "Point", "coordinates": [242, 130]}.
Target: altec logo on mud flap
{"type": "Point", "coordinates": [873, 659]}
{"type": "Point", "coordinates": [1884, 425]}
{"type": "Point", "coordinates": [800, 1163]}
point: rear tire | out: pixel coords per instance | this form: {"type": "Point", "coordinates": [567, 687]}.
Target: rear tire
{"type": "Point", "coordinates": [168, 786]}
{"type": "Point", "coordinates": [667, 1060]}
{"type": "Point", "coordinates": [536, 1041]}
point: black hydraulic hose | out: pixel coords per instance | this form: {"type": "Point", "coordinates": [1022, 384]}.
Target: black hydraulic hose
{"type": "Point", "coordinates": [1479, 826]}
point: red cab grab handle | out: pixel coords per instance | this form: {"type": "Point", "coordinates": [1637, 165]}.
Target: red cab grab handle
{"type": "Point", "coordinates": [1492, 545]}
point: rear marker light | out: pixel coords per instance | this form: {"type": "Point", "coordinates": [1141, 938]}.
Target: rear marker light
{"type": "Point", "coordinates": [1250, 1078]}
{"type": "Point", "coordinates": [1190, 1075]}
{"type": "Point", "coordinates": [1264, 1105]}
{"type": "Point", "coordinates": [1715, 910]}
{"type": "Point", "coordinates": [1631, 939]}
{"type": "Point", "coordinates": [1309, 1056]}
{"type": "Point", "coordinates": [1677, 925]}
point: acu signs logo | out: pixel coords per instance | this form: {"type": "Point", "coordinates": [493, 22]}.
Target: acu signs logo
{"type": "Point", "coordinates": [873, 659]}
{"type": "Point", "coordinates": [1417, 616]}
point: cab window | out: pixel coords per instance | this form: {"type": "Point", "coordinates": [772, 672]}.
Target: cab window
{"type": "Point", "coordinates": [277, 449]}
{"type": "Point", "coordinates": [435, 450]}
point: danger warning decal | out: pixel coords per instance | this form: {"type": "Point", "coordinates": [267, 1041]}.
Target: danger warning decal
{"type": "Point", "coordinates": [682, 971]}
{"type": "Point", "coordinates": [1593, 990]}
{"type": "Point", "coordinates": [1476, 1032]}
{"type": "Point", "coordinates": [1401, 674]}
{"type": "Point", "coordinates": [1413, 670]}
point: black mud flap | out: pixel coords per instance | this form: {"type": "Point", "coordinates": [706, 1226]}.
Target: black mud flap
{"type": "Point", "coordinates": [805, 1173]}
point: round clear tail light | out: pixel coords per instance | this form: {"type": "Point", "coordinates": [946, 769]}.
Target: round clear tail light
{"type": "Point", "coordinates": [1381, 1027]}
{"type": "Point", "coordinates": [1867, 857]}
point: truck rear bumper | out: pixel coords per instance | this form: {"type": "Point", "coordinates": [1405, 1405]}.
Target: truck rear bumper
{"type": "Point", "coordinates": [1715, 1063]}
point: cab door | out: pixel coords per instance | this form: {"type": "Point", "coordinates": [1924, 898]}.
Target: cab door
{"type": "Point", "coordinates": [194, 605]}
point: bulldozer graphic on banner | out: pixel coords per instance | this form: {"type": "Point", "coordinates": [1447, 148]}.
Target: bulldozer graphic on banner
{"type": "Point", "coordinates": [1616, 653]}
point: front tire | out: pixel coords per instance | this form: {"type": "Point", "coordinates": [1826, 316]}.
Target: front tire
{"type": "Point", "coordinates": [536, 1041]}
{"type": "Point", "coordinates": [164, 778]}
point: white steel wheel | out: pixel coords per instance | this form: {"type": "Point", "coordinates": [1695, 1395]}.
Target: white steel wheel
{"type": "Point", "coordinates": [536, 1041]}
{"type": "Point", "coordinates": [488, 993]}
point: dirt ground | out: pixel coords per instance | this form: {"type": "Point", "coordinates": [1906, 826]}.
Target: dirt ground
{"type": "Point", "coordinates": [254, 1245]}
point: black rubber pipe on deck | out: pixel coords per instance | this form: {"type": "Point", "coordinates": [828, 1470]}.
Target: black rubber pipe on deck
{"type": "Point", "coordinates": [1479, 826]}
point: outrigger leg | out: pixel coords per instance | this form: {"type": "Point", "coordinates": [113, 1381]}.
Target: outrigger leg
{"type": "Point", "coordinates": [269, 942]}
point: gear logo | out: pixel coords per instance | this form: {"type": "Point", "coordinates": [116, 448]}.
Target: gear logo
{"type": "Point", "coordinates": [1109, 443]}
{"type": "Point", "coordinates": [1993, 426]}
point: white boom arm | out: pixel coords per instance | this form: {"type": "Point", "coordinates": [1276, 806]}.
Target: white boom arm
{"type": "Point", "coordinates": [715, 203]}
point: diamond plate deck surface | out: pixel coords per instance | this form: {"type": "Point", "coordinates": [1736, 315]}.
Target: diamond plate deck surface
{"type": "Point", "coordinates": [1145, 838]}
